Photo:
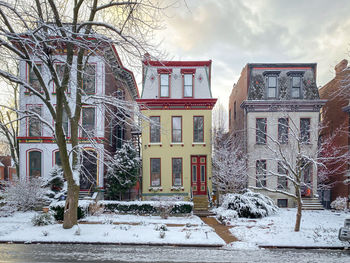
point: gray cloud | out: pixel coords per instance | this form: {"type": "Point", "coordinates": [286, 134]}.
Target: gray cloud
{"type": "Point", "coordinates": [233, 33]}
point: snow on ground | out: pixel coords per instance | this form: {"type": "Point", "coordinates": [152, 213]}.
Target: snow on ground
{"type": "Point", "coordinates": [193, 220]}
{"type": "Point", "coordinates": [318, 228]}
{"type": "Point", "coordinates": [19, 228]}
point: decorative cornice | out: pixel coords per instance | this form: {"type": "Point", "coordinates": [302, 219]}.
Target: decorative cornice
{"type": "Point", "coordinates": [283, 105]}
{"type": "Point", "coordinates": [176, 104]}
{"type": "Point", "coordinates": [26, 139]}
{"type": "Point", "coordinates": [177, 63]}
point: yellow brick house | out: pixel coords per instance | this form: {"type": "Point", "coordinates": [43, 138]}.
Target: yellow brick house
{"type": "Point", "coordinates": [176, 142]}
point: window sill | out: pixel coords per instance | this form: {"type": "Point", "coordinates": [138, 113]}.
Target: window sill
{"type": "Point", "coordinates": [155, 189]}
{"type": "Point", "coordinates": [198, 144]}
{"type": "Point", "coordinates": [177, 188]}
{"type": "Point", "coordinates": [177, 144]}
{"type": "Point", "coordinates": [155, 144]}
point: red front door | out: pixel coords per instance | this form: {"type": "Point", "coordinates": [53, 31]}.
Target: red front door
{"type": "Point", "coordinates": [199, 174]}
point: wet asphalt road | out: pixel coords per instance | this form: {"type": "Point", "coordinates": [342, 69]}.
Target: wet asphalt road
{"type": "Point", "coordinates": [112, 253]}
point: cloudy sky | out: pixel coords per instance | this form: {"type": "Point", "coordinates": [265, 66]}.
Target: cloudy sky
{"type": "Point", "coordinates": [235, 32]}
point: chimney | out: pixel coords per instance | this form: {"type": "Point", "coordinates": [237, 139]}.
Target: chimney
{"type": "Point", "coordinates": [146, 57]}
{"type": "Point", "coordinates": [341, 66]}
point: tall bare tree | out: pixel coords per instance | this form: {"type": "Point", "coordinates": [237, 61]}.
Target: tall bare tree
{"type": "Point", "coordinates": [79, 29]}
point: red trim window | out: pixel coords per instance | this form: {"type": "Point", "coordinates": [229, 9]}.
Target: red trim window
{"type": "Point", "coordinates": [198, 128]}
{"type": "Point", "coordinates": [89, 79]}
{"type": "Point", "coordinates": [188, 82]}
{"type": "Point", "coordinates": [154, 129]}
{"type": "Point", "coordinates": [88, 122]}
{"type": "Point", "coordinates": [177, 171]}
{"type": "Point", "coordinates": [34, 123]}
{"type": "Point", "coordinates": [282, 181]}
{"type": "Point", "coordinates": [164, 82]}
{"type": "Point", "coordinates": [283, 129]}
{"type": "Point", "coordinates": [305, 124]}
{"type": "Point", "coordinates": [261, 173]}
{"type": "Point", "coordinates": [155, 170]}
{"type": "Point", "coordinates": [59, 67]}
{"type": "Point", "coordinates": [261, 127]}
{"type": "Point", "coordinates": [176, 129]}
{"type": "Point", "coordinates": [34, 163]}
{"type": "Point", "coordinates": [33, 79]}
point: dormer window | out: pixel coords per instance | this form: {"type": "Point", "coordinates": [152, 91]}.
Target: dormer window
{"type": "Point", "coordinates": [296, 87]}
{"type": "Point", "coordinates": [164, 85]}
{"type": "Point", "coordinates": [272, 86]}
{"type": "Point", "coordinates": [188, 85]}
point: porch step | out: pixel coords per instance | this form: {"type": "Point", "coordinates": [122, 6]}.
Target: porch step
{"type": "Point", "coordinates": [83, 194]}
{"type": "Point", "coordinates": [203, 213]}
{"type": "Point", "coordinates": [200, 203]}
{"type": "Point", "coordinates": [312, 204]}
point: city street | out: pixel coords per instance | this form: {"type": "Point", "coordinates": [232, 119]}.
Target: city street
{"type": "Point", "coordinates": [114, 253]}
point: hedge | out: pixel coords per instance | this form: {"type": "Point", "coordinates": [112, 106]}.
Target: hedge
{"type": "Point", "coordinates": [58, 209]}
{"type": "Point", "coordinates": [147, 207]}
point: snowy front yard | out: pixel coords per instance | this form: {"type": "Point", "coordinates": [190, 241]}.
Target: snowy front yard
{"type": "Point", "coordinates": [147, 231]}
{"type": "Point", "coordinates": [318, 228]}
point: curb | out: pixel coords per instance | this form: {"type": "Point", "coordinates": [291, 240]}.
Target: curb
{"type": "Point", "coordinates": [111, 243]}
{"type": "Point", "coordinates": [303, 247]}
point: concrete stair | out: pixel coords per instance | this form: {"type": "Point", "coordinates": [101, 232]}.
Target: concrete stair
{"type": "Point", "coordinates": [83, 194]}
{"type": "Point", "coordinates": [312, 204]}
{"type": "Point", "coordinates": [200, 203]}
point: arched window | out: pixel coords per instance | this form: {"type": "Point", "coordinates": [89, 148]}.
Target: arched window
{"type": "Point", "coordinates": [34, 164]}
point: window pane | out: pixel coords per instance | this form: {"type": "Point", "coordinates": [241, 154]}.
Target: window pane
{"type": "Point", "coordinates": [296, 87]}
{"type": "Point", "coordinates": [283, 130]}
{"type": "Point", "coordinates": [198, 129]}
{"type": "Point", "coordinates": [260, 173]}
{"type": "Point", "coordinates": [155, 172]}
{"type": "Point", "coordinates": [296, 81]}
{"type": "Point", "coordinates": [34, 123]}
{"type": "Point", "coordinates": [164, 85]}
{"type": "Point", "coordinates": [33, 79]}
{"type": "Point", "coordinates": [194, 173]}
{"type": "Point", "coordinates": [34, 164]}
{"type": "Point", "coordinates": [261, 130]}
{"type": "Point", "coordinates": [305, 130]}
{"type": "Point", "coordinates": [202, 173]}
{"type": "Point", "coordinates": [65, 122]}
{"type": "Point", "coordinates": [88, 122]}
{"type": "Point", "coordinates": [58, 159]}
{"type": "Point", "coordinates": [177, 171]}
{"type": "Point", "coordinates": [155, 129]}
{"type": "Point", "coordinates": [281, 181]}
{"type": "Point", "coordinates": [89, 79]}
{"type": "Point", "coordinates": [177, 129]}
{"type": "Point", "coordinates": [188, 85]}
{"type": "Point", "coordinates": [272, 81]}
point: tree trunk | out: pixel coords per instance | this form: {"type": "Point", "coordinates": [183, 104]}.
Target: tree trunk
{"type": "Point", "coordinates": [298, 217]}
{"type": "Point", "coordinates": [71, 207]}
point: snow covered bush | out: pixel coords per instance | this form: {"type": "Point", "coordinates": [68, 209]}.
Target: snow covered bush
{"type": "Point", "coordinates": [123, 171]}
{"type": "Point", "coordinates": [225, 215]}
{"type": "Point", "coordinates": [339, 204]}
{"type": "Point", "coordinates": [43, 219]}
{"type": "Point", "coordinates": [58, 209]}
{"type": "Point", "coordinates": [57, 187]}
{"type": "Point", "coordinates": [23, 195]}
{"type": "Point", "coordinates": [146, 207]}
{"type": "Point", "coordinates": [248, 204]}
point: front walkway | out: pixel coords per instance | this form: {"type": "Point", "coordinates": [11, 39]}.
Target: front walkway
{"type": "Point", "coordinates": [221, 230]}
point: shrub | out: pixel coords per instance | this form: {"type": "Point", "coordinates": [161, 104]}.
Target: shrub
{"type": "Point", "coordinates": [147, 207]}
{"type": "Point", "coordinates": [58, 209]}
{"type": "Point", "coordinates": [339, 204]}
{"type": "Point", "coordinates": [249, 204]}
{"type": "Point", "coordinates": [43, 219]}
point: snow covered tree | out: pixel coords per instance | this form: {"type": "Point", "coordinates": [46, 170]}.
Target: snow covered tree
{"type": "Point", "coordinates": [123, 171]}
{"type": "Point", "coordinates": [39, 30]}
{"type": "Point", "coordinates": [229, 163]}
{"type": "Point", "coordinates": [57, 187]}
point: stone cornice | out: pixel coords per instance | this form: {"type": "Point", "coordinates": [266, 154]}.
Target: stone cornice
{"type": "Point", "coordinates": [283, 105]}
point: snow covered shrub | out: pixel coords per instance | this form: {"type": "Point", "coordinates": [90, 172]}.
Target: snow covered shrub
{"type": "Point", "coordinates": [249, 205]}
{"type": "Point", "coordinates": [58, 209]}
{"type": "Point", "coordinates": [161, 234]}
{"type": "Point", "coordinates": [188, 235]}
{"type": "Point", "coordinates": [45, 233]}
{"type": "Point", "coordinates": [57, 187]}
{"type": "Point", "coordinates": [339, 204]}
{"type": "Point", "coordinates": [225, 215]}
{"type": "Point", "coordinates": [43, 219]}
{"type": "Point", "coordinates": [24, 195]}
{"type": "Point", "coordinates": [161, 227]}
{"type": "Point", "coordinates": [123, 171]}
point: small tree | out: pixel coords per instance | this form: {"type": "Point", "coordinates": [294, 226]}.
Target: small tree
{"type": "Point", "coordinates": [123, 171]}
{"type": "Point", "coordinates": [57, 187]}
{"type": "Point", "coordinates": [229, 163]}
